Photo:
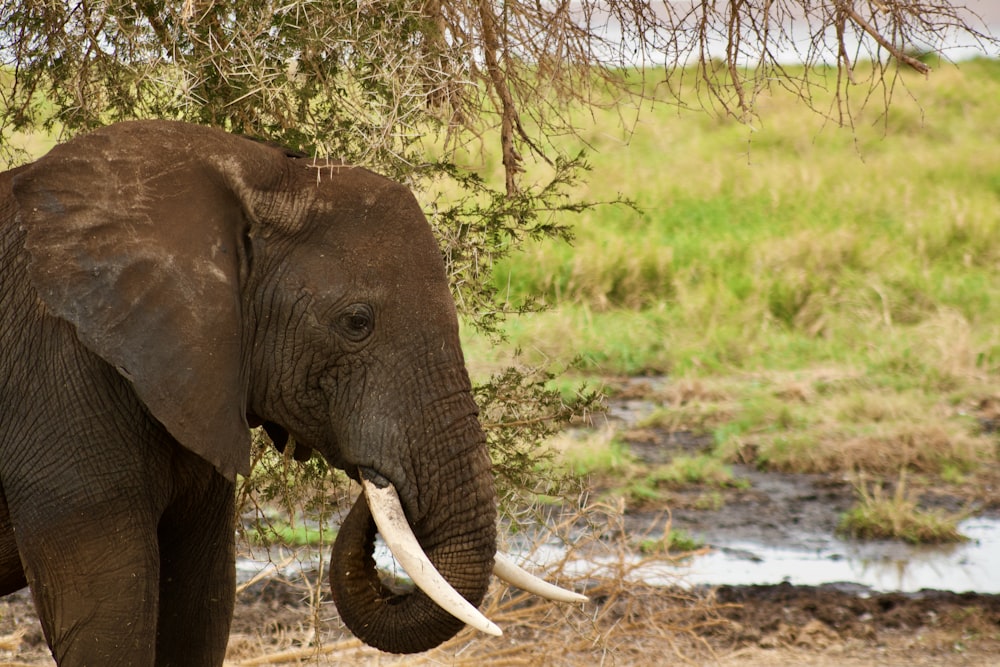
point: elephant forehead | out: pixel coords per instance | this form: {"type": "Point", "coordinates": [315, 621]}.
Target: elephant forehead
{"type": "Point", "coordinates": [368, 232]}
{"type": "Point", "coordinates": [358, 195]}
{"type": "Point", "coordinates": [382, 270]}
{"type": "Point", "coordinates": [373, 247]}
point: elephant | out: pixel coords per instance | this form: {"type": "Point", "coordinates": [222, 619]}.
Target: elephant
{"type": "Point", "coordinates": [165, 286]}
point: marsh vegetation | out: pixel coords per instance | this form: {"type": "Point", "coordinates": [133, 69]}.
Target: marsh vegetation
{"type": "Point", "coordinates": [822, 299]}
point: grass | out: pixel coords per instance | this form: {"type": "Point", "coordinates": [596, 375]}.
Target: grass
{"type": "Point", "coordinates": [601, 453]}
{"type": "Point", "coordinates": [826, 423]}
{"type": "Point", "coordinates": [674, 541]}
{"type": "Point", "coordinates": [606, 460]}
{"type": "Point", "coordinates": [282, 532]}
{"type": "Point", "coordinates": [896, 515]}
{"type": "Point", "coordinates": [827, 297]}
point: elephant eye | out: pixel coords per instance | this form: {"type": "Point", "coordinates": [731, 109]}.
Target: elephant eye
{"type": "Point", "coordinates": [357, 322]}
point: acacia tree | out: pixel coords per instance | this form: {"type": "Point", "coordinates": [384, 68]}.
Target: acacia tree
{"type": "Point", "coordinates": [390, 83]}
{"type": "Point", "coordinates": [368, 79]}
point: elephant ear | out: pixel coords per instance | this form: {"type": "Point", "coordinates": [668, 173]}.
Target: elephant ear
{"type": "Point", "coordinates": [137, 238]}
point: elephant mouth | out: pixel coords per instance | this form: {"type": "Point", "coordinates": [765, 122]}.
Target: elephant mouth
{"type": "Point", "coordinates": [380, 510]}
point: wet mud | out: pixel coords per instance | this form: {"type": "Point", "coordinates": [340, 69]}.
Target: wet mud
{"type": "Point", "coordinates": [769, 527]}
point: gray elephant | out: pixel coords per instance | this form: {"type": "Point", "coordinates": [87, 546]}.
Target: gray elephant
{"type": "Point", "coordinates": [164, 285]}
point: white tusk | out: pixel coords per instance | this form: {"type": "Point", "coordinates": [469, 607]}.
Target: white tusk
{"type": "Point", "coordinates": [505, 568]}
{"type": "Point", "coordinates": [391, 521]}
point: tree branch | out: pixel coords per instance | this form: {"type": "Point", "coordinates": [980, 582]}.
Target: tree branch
{"type": "Point", "coordinates": [883, 42]}
{"type": "Point", "coordinates": [508, 111]}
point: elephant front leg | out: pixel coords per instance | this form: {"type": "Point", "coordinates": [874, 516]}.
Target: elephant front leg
{"type": "Point", "coordinates": [84, 507]}
{"type": "Point", "coordinates": [197, 577]}
{"type": "Point", "coordinates": [94, 584]}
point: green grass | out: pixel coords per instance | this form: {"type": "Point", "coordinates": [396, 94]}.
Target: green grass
{"type": "Point", "coordinates": [602, 455]}
{"type": "Point", "coordinates": [605, 459]}
{"type": "Point", "coordinates": [881, 515]}
{"type": "Point", "coordinates": [836, 290]}
{"type": "Point", "coordinates": [697, 469]}
{"type": "Point", "coordinates": [674, 541]}
{"type": "Point", "coordinates": [808, 236]}
{"type": "Point", "coordinates": [280, 532]}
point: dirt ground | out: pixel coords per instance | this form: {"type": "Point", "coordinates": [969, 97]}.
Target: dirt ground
{"type": "Point", "coordinates": [767, 625]}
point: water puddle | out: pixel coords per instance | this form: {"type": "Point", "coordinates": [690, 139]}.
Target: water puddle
{"type": "Point", "coordinates": [879, 566]}
{"type": "Point", "coordinates": [782, 529]}
{"type": "Point", "coordinates": [871, 566]}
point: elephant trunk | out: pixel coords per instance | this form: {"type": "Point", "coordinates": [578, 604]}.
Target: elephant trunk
{"type": "Point", "coordinates": [460, 543]}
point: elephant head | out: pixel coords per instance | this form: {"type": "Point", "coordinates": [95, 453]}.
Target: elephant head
{"type": "Point", "coordinates": [231, 282]}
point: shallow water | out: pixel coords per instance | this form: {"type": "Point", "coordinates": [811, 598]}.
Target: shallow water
{"type": "Point", "coordinates": [785, 532]}
{"type": "Point", "coordinates": [874, 566]}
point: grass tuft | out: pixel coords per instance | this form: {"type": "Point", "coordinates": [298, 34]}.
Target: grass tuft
{"type": "Point", "coordinates": [897, 516]}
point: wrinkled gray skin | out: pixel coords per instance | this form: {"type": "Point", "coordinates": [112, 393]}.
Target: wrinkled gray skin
{"type": "Point", "coordinates": [161, 285]}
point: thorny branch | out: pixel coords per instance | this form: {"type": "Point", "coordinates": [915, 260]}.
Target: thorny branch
{"type": "Point", "coordinates": [369, 80]}
{"type": "Point", "coordinates": [509, 118]}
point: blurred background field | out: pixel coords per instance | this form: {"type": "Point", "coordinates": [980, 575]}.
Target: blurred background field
{"type": "Point", "coordinates": [822, 298]}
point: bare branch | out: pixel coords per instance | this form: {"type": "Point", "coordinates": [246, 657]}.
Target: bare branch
{"type": "Point", "coordinates": [508, 109]}
{"type": "Point", "coordinates": [848, 9]}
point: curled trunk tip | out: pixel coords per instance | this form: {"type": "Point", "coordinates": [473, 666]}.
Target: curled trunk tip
{"type": "Point", "coordinates": [404, 622]}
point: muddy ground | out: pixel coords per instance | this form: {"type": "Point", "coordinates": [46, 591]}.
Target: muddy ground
{"type": "Point", "coordinates": [633, 624]}
{"type": "Point", "coordinates": [767, 625]}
